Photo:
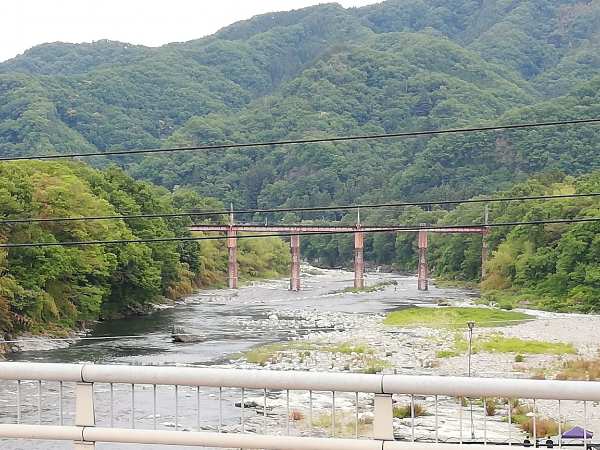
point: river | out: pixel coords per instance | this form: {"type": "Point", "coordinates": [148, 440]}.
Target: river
{"type": "Point", "coordinates": [229, 322]}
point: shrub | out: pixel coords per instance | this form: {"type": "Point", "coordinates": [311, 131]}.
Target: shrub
{"type": "Point", "coordinates": [296, 415]}
{"type": "Point", "coordinates": [519, 358]}
{"type": "Point", "coordinates": [404, 411]}
{"type": "Point", "coordinates": [446, 353]}
{"type": "Point", "coordinates": [580, 369]}
{"type": "Point", "coordinates": [490, 407]}
{"type": "Point", "coordinates": [544, 427]}
{"type": "Point", "coordinates": [519, 413]}
{"type": "Point", "coordinates": [539, 374]}
{"type": "Point", "coordinates": [375, 365]}
{"type": "Point", "coordinates": [347, 348]}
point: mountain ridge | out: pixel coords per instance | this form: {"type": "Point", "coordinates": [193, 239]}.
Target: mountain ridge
{"type": "Point", "coordinates": [392, 66]}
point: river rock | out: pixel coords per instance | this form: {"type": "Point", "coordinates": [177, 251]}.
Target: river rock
{"type": "Point", "coordinates": [187, 338]}
{"type": "Point", "coordinates": [247, 404]}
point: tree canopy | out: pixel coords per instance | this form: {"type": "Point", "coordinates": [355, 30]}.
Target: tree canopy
{"type": "Point", "coordinates": [65, 286]}
{"type": "Point", "coordinates": [399, 65]}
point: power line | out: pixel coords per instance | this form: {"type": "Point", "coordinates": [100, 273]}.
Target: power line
{"type": "Point", "coordinates": [306, 141]}
{"type": "Point", "coordinates": [299, 209]}
{"type": "Point", "coordinates": [408, 228]}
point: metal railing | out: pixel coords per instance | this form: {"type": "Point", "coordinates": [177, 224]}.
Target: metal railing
{"type": "Point", "coordinates": [233, 408]}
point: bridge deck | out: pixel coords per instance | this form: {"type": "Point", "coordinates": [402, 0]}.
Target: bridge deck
{"type": "Point", "coordinates": [329, 229]}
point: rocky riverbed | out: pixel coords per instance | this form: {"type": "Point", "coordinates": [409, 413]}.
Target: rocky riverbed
{"type": "Point", "coordinates": [362, 343]}
{"type": "Point", "coordinates": [320, 328]}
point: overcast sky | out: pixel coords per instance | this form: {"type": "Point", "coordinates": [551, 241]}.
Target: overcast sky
{"type": "Point", "coordinates": [26, 23]}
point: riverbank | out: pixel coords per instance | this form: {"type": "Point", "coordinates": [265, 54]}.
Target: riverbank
{"type": "Point", "coordinates": [64, 338]}
{"type": "Point", "coordinates": [537, 347]}
{"type": "Point", "coordinates": [323, 327]}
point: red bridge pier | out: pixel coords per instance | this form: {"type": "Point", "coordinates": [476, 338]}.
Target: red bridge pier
{"type": "Point", "coordinates": [484, 243]}
{"type": "Point", "coordinates": [232, 266]}
{"type": "Point", "coordinates": [359, 261]}
{"type": "Point", "coordinates": [295, 264]}
{"type": "Point", "coordinates": [358, 230]}
{"type": "Point", "coordinates": [422, 284]}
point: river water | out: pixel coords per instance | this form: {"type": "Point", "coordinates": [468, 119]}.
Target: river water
{"type": "Point", "coordinates": [229, 322]}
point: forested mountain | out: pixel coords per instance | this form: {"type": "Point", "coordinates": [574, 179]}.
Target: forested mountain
{"type": "Point", "coordinates": [399, 65]}
{"type": "Point", "coordinates": [325, 70]}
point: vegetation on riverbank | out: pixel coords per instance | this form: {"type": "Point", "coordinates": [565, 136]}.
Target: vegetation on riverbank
{"type": "Point", "coordinates": [380, 286]}
{"type": "Point", "coordinates": [580, 369]}
{"type": "Point", "coordinates": [271, 353]}
{"type": "Point", "coordinates": [553, 266]}
{"type": "Point", "coordinates": [458, 284]}
{"type": "Point", "coordinates": [326, 70]}
{"type": "Point", "coordinates": [544, 426]}
{"type": "Point", "coordinates": [345, 424]}
{"type": "Point", "coordinates": [267, 353]}
{"type": "Point", "coordinates": [54, 288]}
{"type": "Point", "coordinates": [409, 410]}
{"type": "Point", "coordinates": [258, 259]}
{"type": "Point", "coordinates": [452, 317]}
{"type": "Point", "coordinates": [497, 343]}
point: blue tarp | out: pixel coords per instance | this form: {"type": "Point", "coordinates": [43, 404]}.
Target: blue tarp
{"type": "Point", "coordinates": [577, 433]}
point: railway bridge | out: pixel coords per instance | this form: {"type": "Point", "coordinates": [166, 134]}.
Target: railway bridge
{"type": "Point", "coordinates": [232, 230]}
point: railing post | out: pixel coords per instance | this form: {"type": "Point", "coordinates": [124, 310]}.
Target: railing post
{"type": "Point", "coordinates": [84, 412]}
{"type": "Point", "coordinates": [384, 416]}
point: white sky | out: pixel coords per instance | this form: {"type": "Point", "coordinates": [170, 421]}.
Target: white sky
{"type": "Point", "coordinates": [26, 23]}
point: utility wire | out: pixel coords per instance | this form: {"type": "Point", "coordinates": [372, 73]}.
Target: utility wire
{"type": "Point", "coordinates": [306, 141]}
{"type": "Point", "coordinates": [299, 209]}
{"type": "Point", "coordinates": [408, 228]}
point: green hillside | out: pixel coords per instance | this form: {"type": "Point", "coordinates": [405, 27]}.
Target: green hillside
{"type": "Point", "coordinates": [399, 65]}
{"type": "Point", "coordinates": [49, 288]}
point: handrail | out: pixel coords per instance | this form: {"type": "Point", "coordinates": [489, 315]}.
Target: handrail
{"type": "Point", "coordinates": [210, 439]}
{"type": "Point", "coordinates": [296, 380]}
{"type": "Point", "coordinates": [84, 434]}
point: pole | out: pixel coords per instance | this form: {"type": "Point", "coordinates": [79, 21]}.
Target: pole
{"type": "Point", "coordinates": [471, 325]}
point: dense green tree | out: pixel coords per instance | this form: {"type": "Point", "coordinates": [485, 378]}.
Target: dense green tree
{"type": "Point", "coordinates": [65, 286]}
{"type": "Point", "coordinates": [399, 65]}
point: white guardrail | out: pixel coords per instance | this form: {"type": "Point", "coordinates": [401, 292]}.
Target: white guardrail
{"type": "Point", "coordinates": [87, 403]}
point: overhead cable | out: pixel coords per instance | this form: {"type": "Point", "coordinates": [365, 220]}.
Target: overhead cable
{"type": "Point", "coordinates": [409, 134]}
{"type": "Point", "coordinates": [409, 228]}
{"type": "Point", "coordinates": [298, 209]}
